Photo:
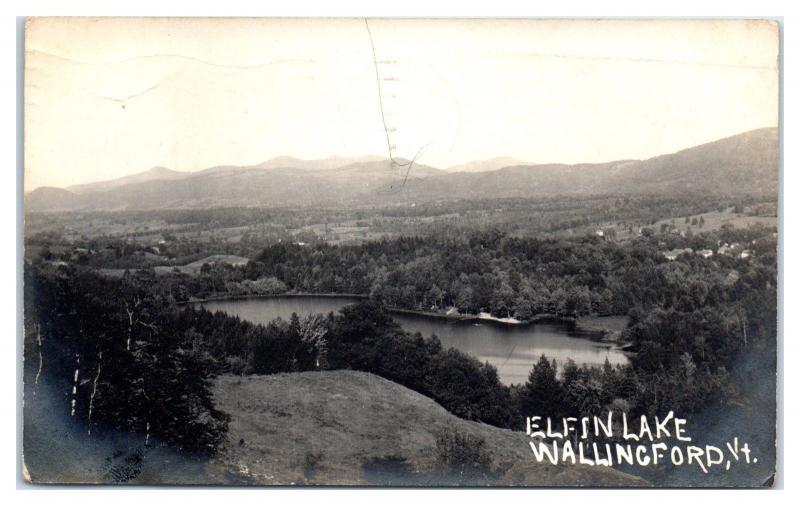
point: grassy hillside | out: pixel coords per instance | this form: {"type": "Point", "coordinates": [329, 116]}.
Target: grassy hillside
{"type": "Point", "coordinates": [355, 428]}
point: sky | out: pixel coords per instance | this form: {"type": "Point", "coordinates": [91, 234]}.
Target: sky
{"type": "Point", "coordinates": [109, 97]}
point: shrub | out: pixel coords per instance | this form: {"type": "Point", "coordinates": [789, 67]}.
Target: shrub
{"type": "Point", "coordinates": [463, 458]}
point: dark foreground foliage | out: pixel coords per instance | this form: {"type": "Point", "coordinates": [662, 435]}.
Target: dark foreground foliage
{"type": "Point", "coordinates": [120, 358]}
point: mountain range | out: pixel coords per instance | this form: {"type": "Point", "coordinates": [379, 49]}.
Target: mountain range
{"type": "Point", "coordinates": [742, 164]}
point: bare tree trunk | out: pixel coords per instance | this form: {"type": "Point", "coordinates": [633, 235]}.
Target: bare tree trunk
{"type": "Point", "coordinates": [744, 329]}
{"type": "Point", "coordinates": [75, 378]}
{"type": "Point", "coordinates": [130, 312]}
{"type": "Point", "coordinates": [130, 327]}
{"type": "Point", "coordinates": [94, 392]}
{"type": "Point", "coordinates": [41, 357]}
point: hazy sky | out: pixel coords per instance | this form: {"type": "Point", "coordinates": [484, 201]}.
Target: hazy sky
{"type": "Point", "coordinates": [109, 97]}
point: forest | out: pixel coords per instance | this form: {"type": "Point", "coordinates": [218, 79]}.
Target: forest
{"type": "Point", "coordinates": [504, 275]}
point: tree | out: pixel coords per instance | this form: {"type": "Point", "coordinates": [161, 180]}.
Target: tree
{"type": "Point", "coordinates": [268, 285]}
{"type": "Point", "coordinates": [313, 337]}
{"type": "Point", "coordinates": [543, 395]}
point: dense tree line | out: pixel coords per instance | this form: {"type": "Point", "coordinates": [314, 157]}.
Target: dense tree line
{"type": "Point", "coordinates": [519, 277]}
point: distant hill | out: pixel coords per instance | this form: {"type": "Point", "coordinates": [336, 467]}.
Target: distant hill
{"type": "Point", "coordinates": [47, 197]}
{"type": "Point", "coordinates": [228, 186]}
{"type": "Point", "coordinates": [165, 174]}
{"type": "Point", "coordinates": [517, 181]}
{"type": "Point", "coordinates": [742, 164]}
{"type": "Point", "coordinates": [486, 165]}
{"type": "Point", "coordinates": [332, 162]}
{"type": "Point", "coordinates": [154, 174]}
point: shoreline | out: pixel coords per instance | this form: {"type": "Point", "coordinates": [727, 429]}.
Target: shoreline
{"type": "Point", "coordinates": [585, 325]}
{"type": "Point", "coordinates": [273, 296]}
{"type": "Point", "coordinates": [481, 317]}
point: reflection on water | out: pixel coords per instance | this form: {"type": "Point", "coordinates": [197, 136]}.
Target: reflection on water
{"type": "Point", "coordinates": [511, 348]}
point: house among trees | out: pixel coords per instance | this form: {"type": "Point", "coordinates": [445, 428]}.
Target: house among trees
{"type": "Point", "coordinates": [728, 249]}
{"type": "Point", "coordinates": [606, 233]}
{"type": "Point", "coordinates": [675, 253]}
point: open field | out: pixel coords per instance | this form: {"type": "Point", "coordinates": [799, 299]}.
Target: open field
{"type": "Point", "coordinates": [192, 268]}
{"type": "Point", "coordinates": [715, 220]}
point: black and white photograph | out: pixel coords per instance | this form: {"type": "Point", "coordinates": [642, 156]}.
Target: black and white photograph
{"type": "Point", "coordinates": [385, 252]}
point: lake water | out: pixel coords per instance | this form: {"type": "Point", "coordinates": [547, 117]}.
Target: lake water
{"type": "Point", "coordinates": [513, 349]}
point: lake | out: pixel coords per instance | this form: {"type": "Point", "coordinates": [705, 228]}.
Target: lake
{"type": "Point", "coordinates": [513, 349]}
